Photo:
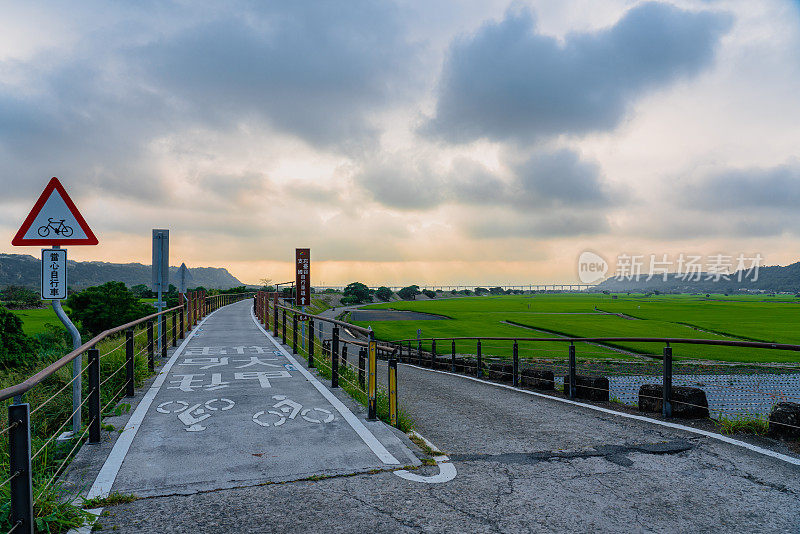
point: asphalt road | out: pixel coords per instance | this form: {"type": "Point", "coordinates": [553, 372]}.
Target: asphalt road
{"type": "Point", "coordinates": [524, 464]}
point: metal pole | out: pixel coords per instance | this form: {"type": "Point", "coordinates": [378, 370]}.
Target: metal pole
{"type": "Point", "coordinates": [372, 391]}
{"type": "Point", "coordinates": [294, 333]}
{"type": "Point", "coordinates": [479, 363]}
{"type": "Point", "coordinates": [275, 315]}
{"type": "Point", "coordinates": [433, 354]}
{"type": "Point", "coordinates": [303, 327]}
{"type": "Point", "coordinates": [19, 455]}
{"type": "Point", "coordinates": [183, 324]}
{"type": "Point", "coordinates": [151, 364]}
{"type": "Point", "coordinates": [362, 358]}
{"type": "Point", "coordinates": [666, 401]}
{"type": "Point", "coordinates": [310, 343]}
{"type": "Point", "coordinates": [94, 395]}
{"type": "Point", "coordinates": [393, 391]}
{"type": "Point", "coordinates": [164, 335]}
{"type": "Point", "coordinates": [515, 365]}
{"type": "Point", "coordinates": [175, 329]}
{"type": "Point", "coordinates": [76, 366]}
{"type": "Point", "coordinates": [283, 327]}
{"type": "Point", "coordinates": [572, 371]}
{"type": "Point", "coordinates": [335, 358]}
{"type": "Point", "coordinates": [76, 363]}
{"type": "Point", "coordinates": [129, 363]}
{"type": "Point", "coordinates": [453, 356]}
{"type": "Point", "coordinates": [160, 280]}
{"type": "Point", "coordinates": [344, 355]}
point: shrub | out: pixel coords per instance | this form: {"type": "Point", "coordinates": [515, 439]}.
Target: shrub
{"type": "Point", "coordinates": [15, 346]}
{"type": "Point", "coordinates": [428, 293]}
{"type": "Point", "coordinates": [102, 307]}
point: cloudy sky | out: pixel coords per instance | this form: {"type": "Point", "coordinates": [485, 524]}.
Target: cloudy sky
{"type": "Point", "coordinates": [473, 141]}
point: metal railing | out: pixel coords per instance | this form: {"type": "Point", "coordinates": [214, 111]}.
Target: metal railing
{"type": "Point", "coordinates": [111, 371]}
{"type": "Point", "coordinates": [329, 353]}
{"type": "Point", "coordinates": [653, 381]}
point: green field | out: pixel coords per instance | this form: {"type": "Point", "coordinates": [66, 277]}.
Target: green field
{"type": "Point", "coordinates": [752, 318]}
{"type": "Point", "coordinates": [34, 321]}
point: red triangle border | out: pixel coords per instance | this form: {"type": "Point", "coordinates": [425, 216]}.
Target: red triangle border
{"type": "Point", "coordinates": [19, 239]}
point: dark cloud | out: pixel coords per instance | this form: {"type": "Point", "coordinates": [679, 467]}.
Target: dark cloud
{"type": "Point", "coordinates": [509, 82]}
{"type": "Point", "coordinates": [313, 69]}
{"type": "Point", "coordinates": [559, 178]}
{"type": "Point", "coordinates": [546, 179]}
{"type": "Point", "coordinates": [771, 188]}
{"type": "Point", "coordinates": [551, 224]}
{"type": "Point", "coordinates": [101, 113]}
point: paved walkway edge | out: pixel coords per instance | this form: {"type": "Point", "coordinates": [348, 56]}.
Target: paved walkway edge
{"type": "Point", "coordinates": [719, 437]}
{"type": "Point", "coordinates": [368, 437]}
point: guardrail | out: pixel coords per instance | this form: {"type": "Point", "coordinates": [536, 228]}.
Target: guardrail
{"type": "Point", "coordinates": [330, 356]}
{"type": "Point", "coordinates": [112, 358]}
{"type": "Point", "coordinates": [654, 382]}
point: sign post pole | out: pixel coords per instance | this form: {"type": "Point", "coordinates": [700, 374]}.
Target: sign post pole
{"type": "Point", "coordinates": [160, 273]}
{"type": "Point", "coordinates": [76, 341]}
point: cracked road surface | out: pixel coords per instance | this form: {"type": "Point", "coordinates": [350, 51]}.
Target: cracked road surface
{"type": "Point", "coordinates": [525, 464]}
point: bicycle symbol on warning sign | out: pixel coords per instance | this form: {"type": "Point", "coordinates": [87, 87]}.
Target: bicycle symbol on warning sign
{"type": "Point", "coordinates": [56, 226]}
{"type": "Point", "coordinates": [290, 409]}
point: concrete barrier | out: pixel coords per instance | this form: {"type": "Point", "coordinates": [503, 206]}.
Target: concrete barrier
{"type": "Point", "coordinates": [784, 421]}
{"type": "Point", "coordinates": [687, 402]}
{"type": "Point", "coordinates": [588, 387]}
{"type": "Point", "coordinates": [501, 372]}
{"type": "Point", "coordinates": [537, 379]}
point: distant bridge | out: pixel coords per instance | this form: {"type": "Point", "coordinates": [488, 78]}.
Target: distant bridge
{"type": "Point", "coordinates": [447, 287]}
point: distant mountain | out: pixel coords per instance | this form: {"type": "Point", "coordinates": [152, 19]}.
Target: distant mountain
{"type": "Point", "coordinates": [24, 270]}
{"type": "Point", "coordinates": [773, 279]}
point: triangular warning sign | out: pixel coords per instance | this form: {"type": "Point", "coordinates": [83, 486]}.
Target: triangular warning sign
{"type": "Point", "coordinates": [54, 220]}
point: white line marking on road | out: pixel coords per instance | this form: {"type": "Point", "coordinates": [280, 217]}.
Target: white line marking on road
{"type": "Point", "coordinates": [754, 448]}
{"type": "Point", "coordinates": [371, 441]}
{"type": "Point", "coordinates": [447, 471]}
{"type": "Point", "coordinates": [108, 473]}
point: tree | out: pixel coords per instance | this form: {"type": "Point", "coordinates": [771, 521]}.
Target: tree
{"type": "Point", "coordinates": [141, 291]}
{"type": "Point", "coordinates": [356, 293]}
{"type": "Point", "coordinates": [102, 307]}
{"type": "Point", "coordinates": [428, 293]}
{"type": "Point", "coordinates": [481, 291]}
{"type": "Point", "coordinates": [384, 293]}
{"type": "Point", "coordinates": [14, 344]}
{"type": "Point", "coordinates": [409, 292]}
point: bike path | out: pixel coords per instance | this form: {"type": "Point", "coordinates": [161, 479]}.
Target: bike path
{"type": "Point", "coordinates": [232, 408]}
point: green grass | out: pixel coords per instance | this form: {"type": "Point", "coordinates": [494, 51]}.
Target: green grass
{"type": "Point", "coordinates": [743, 424]}
{"type": "Point", "coordinates": [581, 315]}
{"type": "Point", "coordinates": [34, 321]}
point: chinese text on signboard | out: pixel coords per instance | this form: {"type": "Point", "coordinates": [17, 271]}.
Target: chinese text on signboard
{"type": "Point", "coordinates": [54, 274]}
{"type": "Point", "coordinates": [303, 276]}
